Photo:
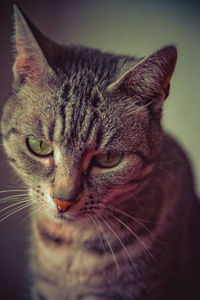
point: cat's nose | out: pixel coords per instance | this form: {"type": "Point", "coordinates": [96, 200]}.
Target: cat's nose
{"type": "Point", "coordinates": [63, 205]}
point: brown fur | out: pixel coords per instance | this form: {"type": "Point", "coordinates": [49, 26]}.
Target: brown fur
{"type": "Point", "coordinates": [133, 229]}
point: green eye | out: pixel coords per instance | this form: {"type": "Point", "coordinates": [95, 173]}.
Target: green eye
{"type": "Point", "coordinates": [109, 159]}
{"type": "Point", "coordinates": [39, 147]}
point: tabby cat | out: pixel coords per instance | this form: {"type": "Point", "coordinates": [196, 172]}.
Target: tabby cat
{"type": "Point", "coordinates": [114, 213]}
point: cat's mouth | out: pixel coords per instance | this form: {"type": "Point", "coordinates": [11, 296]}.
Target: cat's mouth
{"type": "Point", "coordinates": [62, 216]}
{"type": "Point", "coordinates": [69, 216]}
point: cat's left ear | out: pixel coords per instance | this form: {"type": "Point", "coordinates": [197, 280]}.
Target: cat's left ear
{"type": "Point", "coordinates": [30, 63]}
{"type": "Point", "coordinates": [148, 81]}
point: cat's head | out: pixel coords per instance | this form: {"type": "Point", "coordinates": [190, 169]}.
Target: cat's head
{"type": "Point", "coordinates": [83, 126]}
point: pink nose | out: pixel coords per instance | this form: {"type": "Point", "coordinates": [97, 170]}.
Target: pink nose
{"type": "Point", "coordinates": [62, 205]}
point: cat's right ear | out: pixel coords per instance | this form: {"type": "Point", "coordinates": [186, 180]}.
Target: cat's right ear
{"type": "Point", "coordinates": [30, 64]}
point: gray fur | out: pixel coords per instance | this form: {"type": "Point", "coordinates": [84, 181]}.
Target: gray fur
{"type": "Point", "coordinates": [83, 101]}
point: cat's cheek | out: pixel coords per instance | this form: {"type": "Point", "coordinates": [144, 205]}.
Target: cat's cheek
{"type": "Point", "coordinates": [114, 195]}
{"type": "Point", "coordinates": [147, 170]}
{"type": "Point", "coordinates": [132, 187]}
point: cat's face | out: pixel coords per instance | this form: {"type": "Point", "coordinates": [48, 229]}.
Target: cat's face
{"type": "Point", "coordinates": [94, 153]}
{"type": "Point", "coordinates": [88, 135]}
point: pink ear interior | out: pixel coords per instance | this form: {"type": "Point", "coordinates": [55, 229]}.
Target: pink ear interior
{"type": "Point", "coordinates": [30, 63]}
{"type": "Point", "coordinates": [25, 65]}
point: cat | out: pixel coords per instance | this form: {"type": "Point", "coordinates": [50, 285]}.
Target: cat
{"type": "Point", "coordinates": [114, 215]}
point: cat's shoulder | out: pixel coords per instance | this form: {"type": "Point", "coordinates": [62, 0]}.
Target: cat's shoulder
{"type": "Point", "coordinates": [176, 160]}
{"type": "Point", "coordinates": [173, 149]}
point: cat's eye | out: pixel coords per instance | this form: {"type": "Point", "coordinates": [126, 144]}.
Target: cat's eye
{"type": "Point", "coordinates": [109, 159]}
{"type": "Point", "coordinates": [38, 147]}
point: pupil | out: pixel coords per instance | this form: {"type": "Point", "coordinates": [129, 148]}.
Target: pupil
{"type": "Point", "coordinates": [108, 155]}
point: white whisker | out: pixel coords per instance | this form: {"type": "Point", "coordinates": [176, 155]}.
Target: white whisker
{"type": "Point", "coordinates": [13, 198]}
{"type": "Point", "coordinates": [12, 191]}
{"type": "Point", "coordinates": [31, 213]}
{"type": "Point", "coordinates": [5, 216]}
{"type": "Point", "coordinates": [14, 204]}
{"type": "Point", "coordinates": [136, 236]}
{"type": "Point", "coordinates": [122, 244]}
{"type": "Point", "coordinates": [110, 247]}
{"type": "Point", "coordinates": [92, 238]}
{"type": "Point", "coordinates": [136, 220]}
{"type": "Point", "coordinates": [98, 231]}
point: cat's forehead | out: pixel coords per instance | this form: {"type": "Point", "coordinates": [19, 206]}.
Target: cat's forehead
{"type": "Point", "coordinates": [72, 114]}
{"type": "Point", "coordinates": [64, 113]}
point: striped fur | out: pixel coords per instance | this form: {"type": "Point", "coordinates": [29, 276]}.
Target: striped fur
{"type": "Point", "coordinates": [131, 232]}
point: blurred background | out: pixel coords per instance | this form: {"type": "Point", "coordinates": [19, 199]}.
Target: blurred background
{"type": "Point", "coordinates": [124, 27]}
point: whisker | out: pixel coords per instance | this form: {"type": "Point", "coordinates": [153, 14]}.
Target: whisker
{"type": "Point", "coordinates": [14, 197]}
{"type": "Point", "coordinates": [9, 201]}
{"type": "Point", "coordinates": [136, 220]}
{"type": "Point", "coordinates": [11, 191]}
{"type": "Point", "coordinates": [166, 172]}
{"type": "Point", "coordinates": [31, 213]}
{"type": "Point", "coordinates": [98, 232]}
{"type": "Point", "coordinates": [18, 185]}
{"type": "Point", "coordinates": [110, 247]}
{"type": "Point", "coordinates": [14, 204]}
{"type": "Point", "coordinates": [5, 216]}
{"type": "Point", "coordinates": [10, 210]}
{"type": "Point", "coordinates": [120, 241]}
{"type": "Point", "coordinates": [136, 236]}
{"type": "Point", "coordinates": [93, 236]}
